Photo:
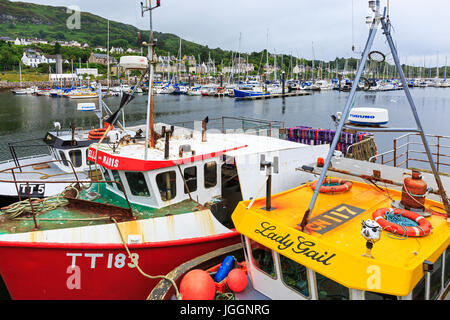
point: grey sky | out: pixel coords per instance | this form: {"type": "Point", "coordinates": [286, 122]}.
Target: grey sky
{"type": "Point", "coordinates": [295, 26]}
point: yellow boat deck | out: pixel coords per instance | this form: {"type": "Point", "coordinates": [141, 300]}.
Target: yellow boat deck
{"type": "Point", "coordinates": [334, 247]}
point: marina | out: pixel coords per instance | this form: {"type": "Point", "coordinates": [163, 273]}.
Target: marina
{"type": "Point", "coordinates": [228, 186]}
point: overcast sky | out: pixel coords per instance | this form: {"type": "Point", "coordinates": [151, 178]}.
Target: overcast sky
{"type": "Point", "coordinates": [294, 26]}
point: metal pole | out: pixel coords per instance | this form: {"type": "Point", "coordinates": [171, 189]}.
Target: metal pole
{"type": "Point", "coordinates": [150, 120]}
{"type": "Point", "coordinates": [386, 27]}
{"type": "Point", "coordinates": [345, 113]}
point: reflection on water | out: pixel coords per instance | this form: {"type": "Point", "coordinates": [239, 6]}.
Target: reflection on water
{"type": "Point", "coordinates": [25, 117]}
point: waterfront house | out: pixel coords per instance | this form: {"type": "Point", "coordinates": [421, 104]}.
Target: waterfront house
{"type": "Point", "coordinates": [101, 58]}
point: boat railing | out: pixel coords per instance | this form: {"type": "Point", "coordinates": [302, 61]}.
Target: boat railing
{"type": "Point", "coordinates": [408, 151]}
{"type": "Point", "coordinates": [245, 124]}
{"type": "Point", "coordinates": [13, 146]}
{"type": "Point", "coordinates": [100, 207]}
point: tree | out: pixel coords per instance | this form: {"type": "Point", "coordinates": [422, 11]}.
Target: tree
{"type": "Point", "coordinates": [57, 49]}
{"type": "Point", "coordinates": [60, 36]}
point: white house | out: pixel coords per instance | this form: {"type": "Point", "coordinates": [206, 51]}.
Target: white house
{"type": "Point", "coordinates": [34, 59]}
{"type": "Point", "coordinates": [116, 50]}
{"type": "Point", "coordinates": [22, 42]}
{"type": "Point", "coordinates": [131, 50]}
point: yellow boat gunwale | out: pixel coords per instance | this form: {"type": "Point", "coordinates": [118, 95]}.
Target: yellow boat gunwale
{"type": "Point", "coordinates": [337, 254]}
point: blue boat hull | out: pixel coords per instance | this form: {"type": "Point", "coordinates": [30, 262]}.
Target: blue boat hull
{"type": "Point", "coordinates": [248, 93]}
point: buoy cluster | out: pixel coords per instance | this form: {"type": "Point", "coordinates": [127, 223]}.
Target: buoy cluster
{"type": "Point", "coordinates": [198, 284]}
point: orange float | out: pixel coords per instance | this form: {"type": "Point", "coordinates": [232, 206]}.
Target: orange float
{"type": "Point", "coordinates": [333, 185]}
{"type": "Point", "coordinates": [424, 226]}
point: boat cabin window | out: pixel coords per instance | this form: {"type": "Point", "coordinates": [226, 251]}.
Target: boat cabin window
{"type": "Point", "coordinates": [63, 157]}
{"type": "Point", "coordinates": [294, 275]}
{"type": "Point", "coordinates": [328, 289]}
{"type": "Point", "coordinates": [167, 185]}
{"type": "Point", "coordinates": [76, 158]}
{"type": "Point", "coordinates": [436, 279]}
{"type": "Point", "coordinates": [116, 177]}
{"type": "Point", "coordinates": [447, 267]}
{"type": "Point", "coordinates": [418, 292]}
{"type": "Point", "coordinates": [262, 258]}
{"type": "Point", "coordinates": [368, 295]}
{"type": "Point", "coordinates": [210, 174]}
{"type": "Point", "coordinates": [190, 176]}
{"type": "Point", "coordinates": [106, 176]}
{"type": "Point", "coordinates": [138, 185]}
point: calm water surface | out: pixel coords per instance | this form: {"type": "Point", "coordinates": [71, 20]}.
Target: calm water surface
{"type": "Point", "coordinates": [27, 117]}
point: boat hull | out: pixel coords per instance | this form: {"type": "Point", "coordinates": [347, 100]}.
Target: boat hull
{"type": "Point", "coordinates": [43, 271]}
{"type": "Point", "coordinates": [245, 93]}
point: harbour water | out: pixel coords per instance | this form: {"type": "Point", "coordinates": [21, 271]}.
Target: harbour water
{"type": "Point", "coordinates": [28, 117]}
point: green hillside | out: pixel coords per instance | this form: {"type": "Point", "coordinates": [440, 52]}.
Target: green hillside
{"type": "Point", "coordinates": [26, 20]}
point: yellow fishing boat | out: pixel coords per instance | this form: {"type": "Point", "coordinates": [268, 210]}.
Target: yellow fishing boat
{"type": "Point", "coordinates": [331, 252]}
{"type": "Point", "coordinates": [347, 237]}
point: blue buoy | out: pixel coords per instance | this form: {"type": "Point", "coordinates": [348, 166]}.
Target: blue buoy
{"type": "Point", "coordinates": [225, 268]}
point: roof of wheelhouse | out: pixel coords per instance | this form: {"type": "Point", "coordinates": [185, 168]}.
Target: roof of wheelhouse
{"type": "Point", "coordinates": [132, 156]}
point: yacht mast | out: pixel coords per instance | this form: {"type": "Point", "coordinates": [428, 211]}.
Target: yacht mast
{"type": "Point", "coordinates": [107, 51]}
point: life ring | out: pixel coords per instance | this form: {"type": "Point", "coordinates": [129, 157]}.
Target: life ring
{"type": "Point", "coordinates": [335, 185]}
{"type": "Point", "coordinates": [96, 134]}
{"type": "Point", "coordinates": [422, 230]}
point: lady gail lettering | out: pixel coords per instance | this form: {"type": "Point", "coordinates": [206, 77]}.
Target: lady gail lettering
{"type": "Point", "coordinates": [300, 246]}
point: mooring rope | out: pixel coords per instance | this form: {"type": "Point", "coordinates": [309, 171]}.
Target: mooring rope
{"type": "Point", "coordinates": [37, 205]}
{"type": "Point", "coordinates": [135, 262]}
{"type": "Point", "coordinates": [401, 221]}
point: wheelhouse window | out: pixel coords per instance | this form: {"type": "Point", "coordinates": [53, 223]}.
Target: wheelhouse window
{"type": "Point", "coordinates": [294, 275]}
{"type": "Point", "coordinates": [190, 176]}
{"type": "Point", "coordinates": [167, 185]}
{"type": "Point", "coordinates": [106, 176]}
{"type": "Point", "coordinates": [418, 292]}
{"type": "Point", "coordinates": [138, 185]}
{"type": "Point", "coordinates": [436, 279]}
{"type": "Point", "coordinates": [63, 157]}
{"type": "Point", "coordinates": [262, 258]}
{"type": "Point", "coordinates": [328, 289]}
{"type": "Point", "coordinates": [116, 177]}
{"type": "Point", "coordinates": [447, 267]}
{"type": "Point", "coordinates": [368, 295]}
{"type": "Point", "coordinates": [210, 170]}
{"type": "Point", "coordinates": [76, 158]}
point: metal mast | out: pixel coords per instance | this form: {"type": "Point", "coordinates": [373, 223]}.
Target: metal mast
{"type": "Point", "coordinates": [377, 19]}
{"type": "Point", "coordinates": [149, 141]}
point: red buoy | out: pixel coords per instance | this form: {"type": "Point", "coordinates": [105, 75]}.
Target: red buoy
{"type": "Point", "coordinates": [197, 285]}
{"type": "Point", "coordinates": [237, 280]}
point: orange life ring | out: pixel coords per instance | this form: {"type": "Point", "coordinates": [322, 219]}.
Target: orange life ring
{"type": "Point", "coordinates": [423, 229]}
{"type": "Point", "coordinates": [96, 134]}
{"type": "Point", "coordinates": [342, 186]}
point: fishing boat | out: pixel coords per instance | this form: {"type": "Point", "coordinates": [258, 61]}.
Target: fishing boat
{"type": "Point", "coordinates": [170, 208]}
{"type": "Point", "coordinates": [67, 159]}
{"type": "Point", "coordinates": [345, 236]}
{"type": "Point", "coordinates": [340, 255]}
{"type": "Point", "coordinates": [168, 199]}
